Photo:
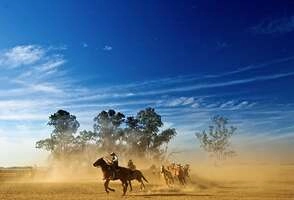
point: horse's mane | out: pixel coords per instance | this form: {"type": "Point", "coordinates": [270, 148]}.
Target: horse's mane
{"type": "Point", "coordinates": [109, 162]}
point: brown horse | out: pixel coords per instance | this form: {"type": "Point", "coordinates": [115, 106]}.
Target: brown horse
{"type": "Point", "coordinates": [177, 172]}
{"type": "Point", "coordinates": [180, 174]}
{"type": "Point", "coordinates": [186, 169]}
{"type": "Point", "coordinates": [167, 175]}
{"type": "Point", "coordinates": [122, 174]}
{"type": "Point", "coordinates": [137, 175]}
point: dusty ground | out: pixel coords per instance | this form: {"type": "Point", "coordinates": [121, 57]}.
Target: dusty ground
{"type": "Point", "coordinates": [216, 185]}
{"type": "Point", "coordinates": [91, 190]}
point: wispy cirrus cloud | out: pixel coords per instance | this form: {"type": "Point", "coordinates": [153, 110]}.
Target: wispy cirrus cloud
{"type": "Point", "coordinates": [21, 55]}
{"type": "Point", "coordinates": [202, 86]}
{"type": "Point", "coordinates": [51, 65]}
{"type": "Point", "coordinates": [236, 105]}
{"type": "Point", "coordinates": [274, 26]}
{"type": "Point", "coordinates": [174, 102]}
{"type": "Point", "coordinates": [42, 86]}
{"type": "Point", "coordinates": [186, 80]}
{"type": "Point", "coordinates": [40, 66]}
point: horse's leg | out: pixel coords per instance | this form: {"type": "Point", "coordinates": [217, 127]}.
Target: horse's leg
{"type": "Point", "coordinates": [106, 185]}
{"type": "Point", "coordinates": [125, 187]}
{"type": "Point", "coordinates": [131, 188]}
{"type": "Point", "coordinates": [180, 180]}
{"type": "Point", "coordinates": [184, 181]}
{"type": "Point", "coordinates": [166, 181]}
{"type": "Point", "coordinates": [111, 189]}
{"type": "Point", "coordinates": [172, 179]}
{"type": "Point", "coordinates": [139, 179]}
{"type": "Point", "coordinates": [142, 185]}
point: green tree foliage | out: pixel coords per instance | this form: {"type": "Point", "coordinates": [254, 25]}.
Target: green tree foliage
{"type": "Point", "coordinates": [139, 135]}
{"type": "Point", "coordinates": [216, 140]}
{"type": "Point", "coordinates": [144, 136]}
{"type": "Point", "coordinates": [107, 126]}
{"type": "Point", "coordinates": [61, 141]}
{"type": "Point", "coordinates": [84, 139]}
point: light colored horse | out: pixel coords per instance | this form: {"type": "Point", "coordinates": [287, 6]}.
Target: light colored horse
{"type": "Point", "coordinates": [177, 171]}
{"type": "Point", "coordinates": [167, 175]}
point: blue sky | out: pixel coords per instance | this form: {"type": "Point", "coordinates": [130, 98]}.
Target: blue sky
{"type": "Point", "coordinates": [188, 59]}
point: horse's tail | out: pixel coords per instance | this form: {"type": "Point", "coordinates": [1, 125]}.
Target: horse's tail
{"type": "Point", "coordinates": [144, 178]}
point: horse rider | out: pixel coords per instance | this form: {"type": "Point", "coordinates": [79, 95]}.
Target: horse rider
{"type": "Point", "coordinates": [114, 164]}
{"type": "Point", "coordinates": [131, 165]}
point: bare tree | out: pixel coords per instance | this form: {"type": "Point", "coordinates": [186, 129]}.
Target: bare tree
{"type": "Point", "coordinates": [216, 140]}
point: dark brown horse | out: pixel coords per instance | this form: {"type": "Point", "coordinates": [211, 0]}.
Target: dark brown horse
{"type": "Point", "coordinates": [123, 174]}
{"type": "Point", "coordinates": [137, 175]}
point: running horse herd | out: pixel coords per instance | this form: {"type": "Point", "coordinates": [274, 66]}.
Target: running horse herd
{"type": "Point", "coordinates": [175, 172]}
{"type": "Point", "coordinates": [171, 173]}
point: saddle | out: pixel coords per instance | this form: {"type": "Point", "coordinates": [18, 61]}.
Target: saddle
{"type": "Point", "coordinates": [113, 172]}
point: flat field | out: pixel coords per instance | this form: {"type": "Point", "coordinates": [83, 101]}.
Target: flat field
{"type": "Point", "coordinates": [274, 188]}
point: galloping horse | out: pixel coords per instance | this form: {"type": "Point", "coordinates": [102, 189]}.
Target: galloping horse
{"type": "Point", "coordinates": [167, 175]}
{"type": "Point", "coordinates": [186, 169]}
{"type": "Point", "coordinates": [123, 174]}
{"type": "Point", "coordinates": [180, 174]}
{"type": "Point", "coordinates": [177, 171]}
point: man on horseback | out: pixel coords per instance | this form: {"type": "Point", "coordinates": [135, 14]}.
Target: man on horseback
{"type": "Point", "coordinates": [131, 165]}
{"type": "Point", "coordinates": [114, 164]}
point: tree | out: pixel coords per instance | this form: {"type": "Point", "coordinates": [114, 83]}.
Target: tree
{"type": "Point", "coordinates": [107, 126]}
{"type": "Point", "coordinates": [86, 145]}
{"type": "Point", "coordinates": [144, 136]}
{"type": "Point", "coordinates": [133, 133]}
{"type": "Point", "coordinates": [216, 140]}
{"type": "Point", "coordinates": [61, 142]}
{"type": "Point", "coordinates": [149, 123]}
{"type": "Point", "coordinates": [85, 138]}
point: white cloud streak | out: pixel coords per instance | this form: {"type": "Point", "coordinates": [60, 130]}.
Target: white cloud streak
{"type": "Point", "coordinates": [21, 55]}
{"type": "Point", "coordinates": [36, 92]}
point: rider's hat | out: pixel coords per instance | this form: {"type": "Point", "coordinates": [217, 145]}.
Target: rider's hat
{"type": "Point", "coordinates": [112, 154]}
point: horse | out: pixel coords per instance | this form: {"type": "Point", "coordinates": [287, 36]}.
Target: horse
{"type": "Point", "coordinates": [180, 174]}
{"type": "Point", "coordinates": [167, 175]}
{"type": "Point", "coordinates": [125, 175]}
{"type": "Point", "coordinates": [122, 174]}
{"type": "Point", "coordinates": [177, 171]}
{"type": "Point", "coordinates": [186, 169]}
{"type": "Point", "coordinates": [137, 175]}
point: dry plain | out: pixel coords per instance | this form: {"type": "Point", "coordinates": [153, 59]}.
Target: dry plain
{"type": "Point", "coordinates": [270, 183]}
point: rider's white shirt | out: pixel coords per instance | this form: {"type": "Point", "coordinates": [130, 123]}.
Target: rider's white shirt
{"type": "Point", "coordinates": [114, 159]}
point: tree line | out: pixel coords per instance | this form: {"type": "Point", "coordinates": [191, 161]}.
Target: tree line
{"type": "Point", "coordinates": [140, 135]}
